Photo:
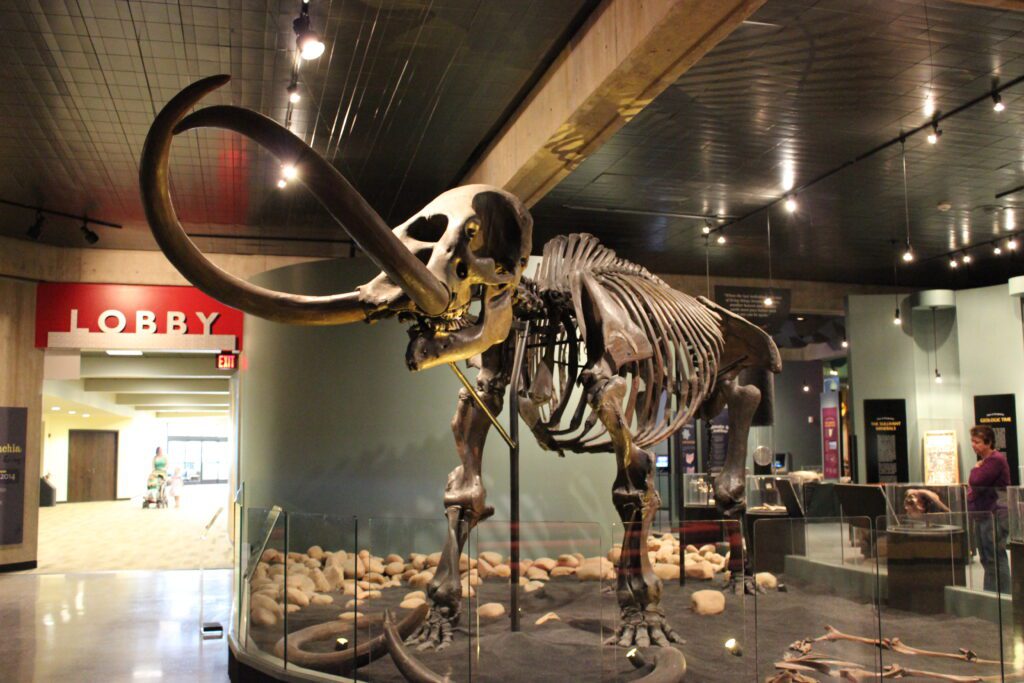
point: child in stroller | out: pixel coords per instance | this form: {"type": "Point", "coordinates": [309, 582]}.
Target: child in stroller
{"type": "Point", "coordinates": [156, 483]}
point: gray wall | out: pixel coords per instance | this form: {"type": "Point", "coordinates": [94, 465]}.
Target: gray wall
{"type": "Point", "coordinates": [979, 348]}
{"type": "Point", "coordinates": [333, 422]}
{"type": "Point", "coordinates": [793, 405]}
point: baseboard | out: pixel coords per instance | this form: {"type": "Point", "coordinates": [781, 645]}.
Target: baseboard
{"type": "Point", "coordinates": [18, 566]}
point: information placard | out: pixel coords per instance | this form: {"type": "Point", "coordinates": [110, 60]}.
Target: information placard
{"type": "Point", "coordinates": [999, 411]}
{"type": "Point", "coordinates": [885, 425]}
{"type": "Point", "coordinates": [749, 302]}
{"type": "Point", "coordinates": [941, 463]}
{"type": "Point", "coordinates": [13, 435]}
{"type": "Point", "coordinates": [716, 442]}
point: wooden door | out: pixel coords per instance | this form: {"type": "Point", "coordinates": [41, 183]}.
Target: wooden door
{"type": "Point", "coordinates": [92, 465]}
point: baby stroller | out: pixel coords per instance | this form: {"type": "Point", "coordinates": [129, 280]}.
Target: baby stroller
{"type": "Point", "coordinates": [156, 489]}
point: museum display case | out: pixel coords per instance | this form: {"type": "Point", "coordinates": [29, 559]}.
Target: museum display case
{"type": "Point", "coordinates": [918, 504]}
{"type": "Point", "coordinates": [314, 590]}
{"type": "Point", "coordinates": [763, 493]}
{"type": "Point", "coordinates": [698, 489]}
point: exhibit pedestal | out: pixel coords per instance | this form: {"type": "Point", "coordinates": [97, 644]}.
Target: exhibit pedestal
{"type": "Point", "coordinates": [700, 513]}
{"type": "Point", "coordinates": [922, 561]}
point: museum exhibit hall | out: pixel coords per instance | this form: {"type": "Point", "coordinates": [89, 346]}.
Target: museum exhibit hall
{"type": "Point", "coordinates": [511, 340]}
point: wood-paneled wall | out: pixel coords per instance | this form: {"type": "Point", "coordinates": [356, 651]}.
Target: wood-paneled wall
{"type": "Point", "coordinates": [21, 385]}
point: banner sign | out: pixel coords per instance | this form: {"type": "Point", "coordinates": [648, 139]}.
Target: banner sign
{"type": "Point", "coordinates": [830, 442]}
{"type": "Point", "coordinates": [999, 411]}
{"type": "Point", "coordinates": [98, 316]}
{"type": "Point", "coordinates": [941, 464]}
{"type": "Point", "coordinates": [885, 425]}
{"type": "Point", "coordinates": [716, 443]}
{"type": "Point", "coordinates": [13, 437]}
{"type": "Point", "coordinates": [749, 302]}
{"type": "Point", "coordinates": [688, 447]}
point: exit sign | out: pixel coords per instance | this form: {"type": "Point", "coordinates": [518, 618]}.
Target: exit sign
{"type": "Point", "coordinates": [227, 361]}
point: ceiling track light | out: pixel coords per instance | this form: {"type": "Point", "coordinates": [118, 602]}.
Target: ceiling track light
{"type": "Point", "coordinates": [35, 230]}
{"type": "Point", "coordinates": [908, 253]}
{"type": "Point", "coordinates": [967, 258]}
{"type": "Point", "coordinates": [306, 39]}
{"type": "Point", "coordinates": [293, 93]}
{"type": "Point", "coordinates": [90, 236]}
{"type": "Point", "coordinates": [896, 317]}
{"type": "Point", "coordinates": [933, 137]}
{"type": "Point", "coordinates": [1011, 244]}
{"type": "Point", "coordinates": [996, 249]}
{"type": "Point", "coordinates": [953, 263]}
{"type": "Point", "coordinates": [845, 343]}
{"type": "Point", "coordinates": [997, 103]}
{"type": "Point", "coordinates": [706, 230]}
{"type": "Point", "coordinates": [721, 238]}
{"type": "Point", "coordinates": [790, 203]}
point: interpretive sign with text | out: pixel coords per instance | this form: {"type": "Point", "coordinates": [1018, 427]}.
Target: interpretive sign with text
{"type": "Point", "coordinates": [999, 411]}
{"type": "Point", "coordinates": [941, 464]}
{"type": "Point", "coordinates": [885, 424]}
{"type": "Point", "coordinates": [716, 442]}
{"type": "Point", "coordinates": [749, 303]}
{"type": "Point", "coordinates": [13, 437]}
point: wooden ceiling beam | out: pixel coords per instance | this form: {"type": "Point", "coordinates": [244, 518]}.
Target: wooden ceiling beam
{"type": "Point", "coordinates": [625, 55]}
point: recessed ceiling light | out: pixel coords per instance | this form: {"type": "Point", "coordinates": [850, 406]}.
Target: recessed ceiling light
{"type": "Point", "coordinates": [86, 415]}
{"type": "Point", "coordinates": [120, 352]}
{"type": "Point", "coordinates": [55, 408]}
{"type": "Point", "coordinates": [72, 412]}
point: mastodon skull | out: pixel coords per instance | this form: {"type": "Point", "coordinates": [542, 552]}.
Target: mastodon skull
{"type": "Point", "coordinates": [468, 245]}
{"type": "Point", "coordinates": [475, 240]}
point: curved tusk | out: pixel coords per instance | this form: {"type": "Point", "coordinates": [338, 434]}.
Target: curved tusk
{"type": "Point", "coordinates": [669, 666]}
{"type": "Point", "coordinates": [411, 668]}
{"type": "Point", "coordinates": [330, 187]}
{"type": "Point", "coordinates": [346, 660]}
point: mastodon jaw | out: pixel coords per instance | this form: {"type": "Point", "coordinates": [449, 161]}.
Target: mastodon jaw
{"type": "Point", "coordinates": [336, 194]}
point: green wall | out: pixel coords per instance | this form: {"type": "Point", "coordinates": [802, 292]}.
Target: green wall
{"type": "Point", "coordinates": [333, 422]}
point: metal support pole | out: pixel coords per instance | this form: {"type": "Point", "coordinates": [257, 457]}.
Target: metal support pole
{"type": "Point", "coordinates": [522, 331]}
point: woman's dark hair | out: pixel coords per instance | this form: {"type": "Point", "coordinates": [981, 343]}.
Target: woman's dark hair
{"type": "Point", "coordinates": [985, 433]}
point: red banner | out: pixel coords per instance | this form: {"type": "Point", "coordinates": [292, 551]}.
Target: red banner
{"type": "Point", "coordinates": [92, 314]}
{"type": "Point", "coordinates": [830, 442]}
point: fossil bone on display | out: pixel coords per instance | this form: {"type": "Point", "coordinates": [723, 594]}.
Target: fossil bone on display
{"type": "Point", "coordinates": [607, 341]}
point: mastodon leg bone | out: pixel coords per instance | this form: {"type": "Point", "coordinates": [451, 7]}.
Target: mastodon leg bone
{"type": "Point", "coordinates": [833, 634]}
{"type": "Point", "coordinates": [964, 654]}
{"type": "Point", "coordinates": [896, 645]}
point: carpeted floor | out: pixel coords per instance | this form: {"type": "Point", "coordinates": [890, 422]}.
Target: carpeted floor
{"type": "Point", "coordinates": [85, 537]}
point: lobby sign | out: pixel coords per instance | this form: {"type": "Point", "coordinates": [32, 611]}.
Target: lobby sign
{"type": "Point", "coordinates": [999, 411]}
{"type": "Point", "coordinates": [13, 438]}
{"type": "Point", "coordinates": [885, 425]}
{"type": "Point", "coordinates": [100, 316]}
{"type": "Point", "coordinates": [941, 464]}
{"type": "Point", "coordinates": [830, 442]}
{"type": "Point", "coordinates": [749, 303]}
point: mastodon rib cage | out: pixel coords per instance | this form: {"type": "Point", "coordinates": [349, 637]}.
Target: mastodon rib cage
{"type": "Point", "coordinates": [686, 337]}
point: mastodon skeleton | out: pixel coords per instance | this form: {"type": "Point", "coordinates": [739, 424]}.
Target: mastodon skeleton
{"type": "Point", "coordinates": [610, 343]}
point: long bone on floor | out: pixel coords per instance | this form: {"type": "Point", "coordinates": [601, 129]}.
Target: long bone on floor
{"type": "Point", "coordinates": [833, 634]}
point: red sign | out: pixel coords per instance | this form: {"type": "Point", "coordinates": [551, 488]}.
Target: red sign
{"type": "Point", "coordinates": [95, 315]}
{"type": "Point", "coordinates": [227, 361]}
{"type": "Point", "coordinates": [830, 442]}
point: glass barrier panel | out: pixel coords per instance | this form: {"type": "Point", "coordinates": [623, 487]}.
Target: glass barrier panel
{"type": "Point", "coordinates": [704, 600]}
{"type": "Point", "coordinates": [815, 583]}
{"type": "Point", "coordinates": [932, 619]}
{"type": "Point", "coordinates": [548, 625]}
{"type": "Point", "coordinates": [918, 499]}
{"type": "Point", "coordinates": [319, 599]}
{"type": "Point", "coordinates": [403, 556]}
{"type": "Point", "coordinates": [263, 548]}
{"type": "Point", "coordinates": [237, 548]}
{"type": "Point", "coordinates": [216, 572]}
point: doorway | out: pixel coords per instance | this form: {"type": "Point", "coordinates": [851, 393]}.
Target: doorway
{"type": "Point", "coordinates": [92, 465]}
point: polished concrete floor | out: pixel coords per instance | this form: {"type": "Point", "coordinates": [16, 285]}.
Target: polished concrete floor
{"type": "Point", "coordinates": [119, 534]}
{"type": "Point", "coordinates": [113, 626]}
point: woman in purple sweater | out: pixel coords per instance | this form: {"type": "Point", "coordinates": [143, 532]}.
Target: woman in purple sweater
{"type": "Point", "coordinates": [988, 481]}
